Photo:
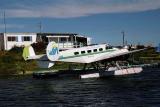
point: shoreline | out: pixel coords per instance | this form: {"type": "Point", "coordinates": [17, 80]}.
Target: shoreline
{"type": "Point", "coordinates": [30, 73]}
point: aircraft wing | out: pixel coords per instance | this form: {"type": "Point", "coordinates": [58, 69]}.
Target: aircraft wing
{"type": "Point", "coordinates": [125, 53]}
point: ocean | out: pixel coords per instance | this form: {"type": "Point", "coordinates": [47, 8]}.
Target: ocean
{"type": "Point", "coordinates": [140, 90]}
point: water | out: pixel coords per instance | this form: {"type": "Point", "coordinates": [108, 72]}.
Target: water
{"type": "Point", "coordinates": [142, 90]}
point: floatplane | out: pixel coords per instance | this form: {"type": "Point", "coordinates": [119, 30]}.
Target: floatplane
{"type": "Point", "coordinates": [94, 55]}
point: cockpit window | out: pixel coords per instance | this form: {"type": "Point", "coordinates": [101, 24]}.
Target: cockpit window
{"type": "Point", "coordinates": [108, 47]}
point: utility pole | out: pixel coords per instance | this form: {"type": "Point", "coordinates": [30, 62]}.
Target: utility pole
{"type": "Point", "coordinates": [123, 34]}
{"type": "Point", "coordinates": [40, 30]}
{"type": "Point", "coordinates": [5, 22]}
{"type": "Point", "coordinates": [40, 27]}
{"type": "Point", "coordinates": [5, 29]}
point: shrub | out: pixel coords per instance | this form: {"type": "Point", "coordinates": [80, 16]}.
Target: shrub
{"type": "Point", "coordinates": [16, 49]}
{"type": "Point", "coordinates": [11, 62]}
{"type": "Point", "coordinates": [39, 46]}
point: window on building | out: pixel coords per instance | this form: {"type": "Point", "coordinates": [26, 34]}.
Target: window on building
{"type": "Point", "coordinates": [69, 39]}
{"type": "Point", "coordinates": [89, 51]}
{"type": "Point", "coordinates": [100, 49]}
{"type": "Point", "coordinates": [95, 50]}
{"type": "Point", "coordinates": [76, 53]}
{"type": "Point", "coordinates": [63, 39]}
{"type": "Point", "coordinates": [26, 38]}
{"type": "Point", "coordinates": [12, 38]}
{"type": "Point", "coordinates": [83, 52]}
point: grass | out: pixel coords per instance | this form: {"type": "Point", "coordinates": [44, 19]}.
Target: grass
{"type": "Point", "coordinates": [11, 62]}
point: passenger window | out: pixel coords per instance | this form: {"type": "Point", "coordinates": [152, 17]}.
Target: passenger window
{"type": "Point", "coordinates": [76, 53]}
{"type": "Point", "coordinates": [95, 50]}
{"type": "Point", "coordinates": [83, 52]}
{"type": "Point", "coordinates": [89, 51]}
{"type": "Point", "coordinates": [100, 49]}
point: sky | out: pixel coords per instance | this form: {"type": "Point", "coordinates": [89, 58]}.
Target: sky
{"type": "Point", "coordinates": [102, 20]}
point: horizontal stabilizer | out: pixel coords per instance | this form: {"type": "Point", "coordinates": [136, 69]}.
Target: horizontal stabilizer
{"type": "Point", "coordinates": [45, 64]}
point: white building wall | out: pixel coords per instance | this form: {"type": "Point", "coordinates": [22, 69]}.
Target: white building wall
{"type": "Point", "coordinates": [19, 42]}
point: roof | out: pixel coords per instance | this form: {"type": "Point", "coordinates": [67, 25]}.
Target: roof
{"type": "Point", "coordinates": [61, 35]}
{"type": "Point", "coordinates": [18, 33]}
{"type": "Point", "coordinates": [57, 34]}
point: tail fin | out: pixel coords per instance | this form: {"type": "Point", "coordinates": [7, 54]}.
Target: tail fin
{"type": "Point", "coordinates": [28, 51]}
{"type": "Point", "coordinates": [52, 51]}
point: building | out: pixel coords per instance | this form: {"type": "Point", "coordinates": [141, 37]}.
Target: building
{"type": "Point", "coordinates": [9, 40]}
{"type": "Point", "coordinates": [64, 40]}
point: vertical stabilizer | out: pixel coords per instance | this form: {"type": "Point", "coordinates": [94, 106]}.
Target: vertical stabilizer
{"type": "Point", "coordinates": [52, 51]}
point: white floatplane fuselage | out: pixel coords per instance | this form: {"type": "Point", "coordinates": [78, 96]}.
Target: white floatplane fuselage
{"type": "Point", "coordinates": [90, 54]}
{"type": "Point", "coordinates": [87, 54]}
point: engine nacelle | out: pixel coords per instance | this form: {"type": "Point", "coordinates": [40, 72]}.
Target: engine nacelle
{"type": "Point", "coordinates": [52, 51]}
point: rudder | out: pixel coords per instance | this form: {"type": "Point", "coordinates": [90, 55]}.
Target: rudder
{"type": "Point", "coordinates": [28, 51]}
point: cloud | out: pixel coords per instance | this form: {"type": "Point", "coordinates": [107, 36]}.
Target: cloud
{"type": "Point", "coordinates": [79, 8]}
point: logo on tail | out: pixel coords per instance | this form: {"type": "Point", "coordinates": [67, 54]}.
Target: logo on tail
{"type": "Point", "coordinates": [52, 51]}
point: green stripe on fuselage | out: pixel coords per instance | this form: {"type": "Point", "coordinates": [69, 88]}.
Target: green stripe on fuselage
{"type": "Point", "coordinates": [93, 53]}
